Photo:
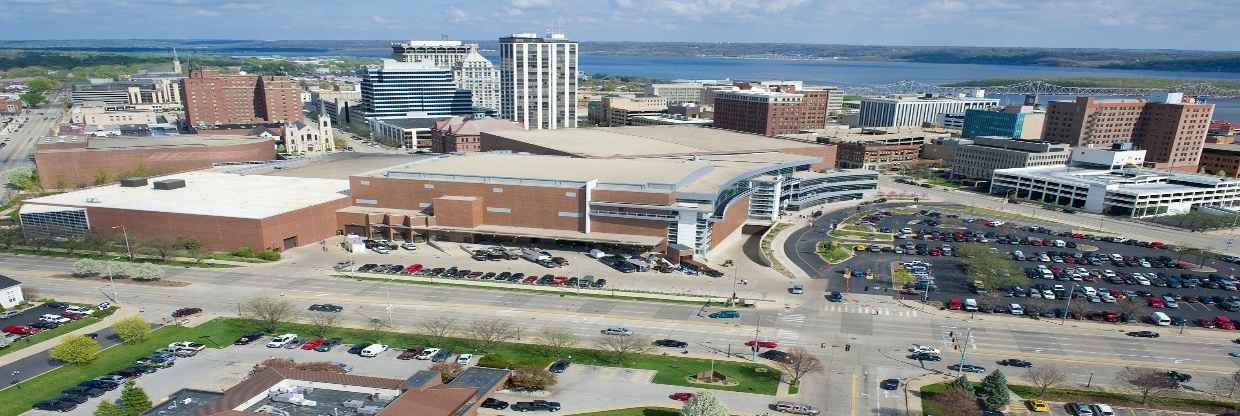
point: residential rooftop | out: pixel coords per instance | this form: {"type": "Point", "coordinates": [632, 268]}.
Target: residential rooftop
{"type": "Point", "coordinates": [209, 193]}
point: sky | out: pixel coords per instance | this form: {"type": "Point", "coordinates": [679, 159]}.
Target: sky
{"type": "Point", "coordinates": [1133, 24]}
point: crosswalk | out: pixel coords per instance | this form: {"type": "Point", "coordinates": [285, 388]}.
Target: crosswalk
{"type": "Point", "coordinates": [794, 318]}
{"type": "Point", "coordinates": [870, 310]}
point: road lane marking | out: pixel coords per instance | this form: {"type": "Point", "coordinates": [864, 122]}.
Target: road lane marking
{"type": "Point", "coordinates": [852, 401]}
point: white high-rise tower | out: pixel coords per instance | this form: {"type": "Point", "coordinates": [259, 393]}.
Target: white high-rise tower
{"type": "Point", "coordinates": [538, 80]}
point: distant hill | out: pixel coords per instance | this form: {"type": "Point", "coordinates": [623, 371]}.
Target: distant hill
{"type": "Point", "coordinates": [1161, 59]}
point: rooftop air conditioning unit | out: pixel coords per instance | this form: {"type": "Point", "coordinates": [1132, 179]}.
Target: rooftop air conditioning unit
{"type": "Point", "coordinates": [169, 184]}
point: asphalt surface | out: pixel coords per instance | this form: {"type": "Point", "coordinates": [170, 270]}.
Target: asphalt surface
{"type": "Point", "coordinates": [42, 362]}
{"type": "Point", "coordinates": [862, 340]}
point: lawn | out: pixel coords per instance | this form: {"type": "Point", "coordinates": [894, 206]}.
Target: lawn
{"type": "Point", "coordinates": [514, 287]}
{"type": "Point", "coordinates": [1126, 400]}
{"type": "Point", "coordinates": [928, 405]}
{"type": "Point", "coordinates": [635, 411]}
{"type": "Point", "coordinates": [16, 400]}
{"type": "Point", "coordinates": [671, 370]}
{"type": "Point", "coordinates": [46, 335]}
{"type": "Point", "coordinates": [833, 252]}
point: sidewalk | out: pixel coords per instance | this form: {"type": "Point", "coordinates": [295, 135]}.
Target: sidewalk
{"type": "Point", "coordinates": [781, 257]}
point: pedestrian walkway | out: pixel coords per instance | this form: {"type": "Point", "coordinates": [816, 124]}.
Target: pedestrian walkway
{"type": "Point", "coordinates": [870, 310]}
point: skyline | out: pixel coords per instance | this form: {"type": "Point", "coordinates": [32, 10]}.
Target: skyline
{"type": "Point", "coordinates": [1123, 24]}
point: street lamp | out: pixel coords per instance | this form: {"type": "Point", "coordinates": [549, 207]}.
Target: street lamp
{"type": "Point", "coordinates": [116, 297]}
{"type": "Point", "coordinates": [125, 232]}
{"type": "Point", "coordinates": [1067, 304]}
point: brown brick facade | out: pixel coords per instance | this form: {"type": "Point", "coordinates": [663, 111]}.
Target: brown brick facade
{"type": "Point", "coordinates": [502, 204]}
{"type": "Point", "coordinates": [828, 153]}
{"type": "Point", "coordinates": [630, 226]}
{"type": "Point", "coordinates": [733, 218]}
{"type": "Point", "coordinates": [1171, 133]}
{"type": "Point", "coordinates": [214, 98]}
{"type": "Point", "coordinates": [66, 168]}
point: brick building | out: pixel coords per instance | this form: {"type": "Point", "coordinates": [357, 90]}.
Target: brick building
{"type": "Point", "coordinates": [1170, 128]}
{"type": "Point", "coordinates": [1220, 159]}
{"type": "Point", "coordinates": [213, 98]}
{"type": "Point", "coordinates": [460, 134]}
{"type": "Point", "coordinates": [76, 161]}
{"type": "Point", "coordinates": [761, 112]}
{"type": "Point", "coordinates": [10, 104]}
{"type": "Point", "coordinates": [879, 148]}
{"type": "Point", "coordinates": [223, 211]}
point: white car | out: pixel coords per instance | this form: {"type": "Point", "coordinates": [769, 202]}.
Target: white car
{"type": "Point", "coordinates": [463, 359]}
{"type": "Point", "coordinates": [624, 332]}
{"type": "Point", "coordinates": [186, 345]}
{"type": "Point", "coordinates": [1048, 294]}
{"type": "Point", "coordinates": [373, 350]}
{"type": "Point", "coordinates": [79, 310]}
{"type": "Point", "coordinates": [427, 354]}
{"type": "Point", "coordinates": [923, 349]}
{"type": "Point", "coordinates": [1107, 298]}
{"type": "Point", "coordinates": [281, 341]}
{"type": "Point", "coordinates": [408, 246]}
{"type": "Point", "coordinates": [54, 318]}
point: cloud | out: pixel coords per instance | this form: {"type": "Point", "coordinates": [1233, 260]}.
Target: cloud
{"type": "Point", "coordinates": [456, 15]}
{"type": "Point", "coordinates": [206, 13]}
{"type": "Point", "coordinates": [526, 4]}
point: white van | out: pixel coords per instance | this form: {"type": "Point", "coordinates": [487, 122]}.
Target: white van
{"type": "Point", "coordinates": [1060, 243]}
{"type": "Point", "coordinates": [970, 305]}
{"type": "Point", "coordinates": [374, 350]}
{"type": "Point", "coordinates": [1160, 319]}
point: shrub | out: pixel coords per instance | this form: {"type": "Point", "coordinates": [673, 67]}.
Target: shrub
{"type": "Point", "coordinates": [79, 349]}
{"type": "Point", "coordinates": [532, 378]}
{"type": "Point", "coordinates": [244, 252]}
{"type": "Point", "coordinates": [104, 313]}
{"type": "Point", "coordinates": [132, 330]}
{"type": "Point", "coordinates": [269, 255]}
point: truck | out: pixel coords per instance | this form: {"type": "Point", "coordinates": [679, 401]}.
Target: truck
{"type": "Point", "coordinates": [535, 255]}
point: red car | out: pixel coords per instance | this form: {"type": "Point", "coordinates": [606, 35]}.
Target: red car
{"type": "Point", "coordinates": [21, 330]}
{"type": "Point", "coordinates": [413, 268]}
{"type": "Point", "coordinates": [560, 280]}
{"type": "Point", "coordinates": [681, 397]}
{"type": "Point", "coordinates": [312, 344]}
{"type": "Point", "coordinates": [530, 280]}
{"type": "Point", "coordinates": [761, 344]}
{"type": "Point", "coordinates": [1157, 303]}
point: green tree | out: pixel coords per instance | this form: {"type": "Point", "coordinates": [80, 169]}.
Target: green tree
{"type": "Point", "coordinates": [23, 179]}
{"type": "Point", "coordinates": [961, 383]}
{"type": "Point", "coordinates": [134, 400]}
{"type": "Point", "coordinates": [79, 349]}
{"type": "Point", "coordinates": [10, 236]}
{"type": "Point", "coordinates": [992, 267]}
{"type": "Point", "coordinates": [132, 330]}
{"type": "Point", "coordinates": [107, 408]}
{"type": "Point", "coordinates": [33, 98]}
{"type": "Point", "coordinates": [704, 404]}
{"type": "Point", "coordinates": [101, 176]}
{"type": "Point", "coordinates": [994, 390]}
{"type": "Point", "coordinates": [41, 84]}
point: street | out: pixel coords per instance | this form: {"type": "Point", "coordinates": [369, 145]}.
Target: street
{"type": "Point", "coordinates": [21, 143]}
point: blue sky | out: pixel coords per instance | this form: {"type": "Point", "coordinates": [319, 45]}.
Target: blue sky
{"type": "Point", "coordinates": [1171, 24]}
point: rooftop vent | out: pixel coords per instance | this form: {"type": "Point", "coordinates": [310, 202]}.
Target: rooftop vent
{"type": "Point", "coordinates": [169, 184]}
{"type": "Point", "coordinates": [133, 182]}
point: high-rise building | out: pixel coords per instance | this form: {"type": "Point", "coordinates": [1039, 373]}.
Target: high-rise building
{"type": "Point", "coordinates": [538, 80]}
{"type": "Point", "coordinates": [619, 111]}
{"type": "Point", "coordinates": [1171, 130]}
{"type": "Point", "coordinates": [678, 93]}
{"type": "Point", "coordinates": [470, 70]}
{"type": "Point", "coordinates": [915, 111]}
{"type": "Point", "coordinates": [1021, 122]}
{"type": "Point", "coordinates": [212, 98]}
{"type": "Point", "coordinates": [760, 112]}
{"type": "Point", "coordinates": [395, 89]}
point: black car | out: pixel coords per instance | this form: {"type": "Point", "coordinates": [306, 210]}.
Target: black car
{"type": "Point", "coordinates": [889, 384]}
{"type": "Point", "coordinates": [542, 405]}
{"type": "Point", "coordinates": [671, 343]}
{"type": "Point", "coordinates": [326, 307]}
{"type": "Point", "coordinates": [1016, 363]}
{"type": "Point", "coordinates": [775, 355]}
{"type": "Point", "coordinates": [248, 338]}
{"type": "Point", "coordinates": [129, 372]}
{"type": "Point", "coordinates": [99, 385]}
{"type": "Point", "coordinates": [327, 345]}
{"type": "Point", "coordinates": [559, 366]}
{"type": "Point", "coordinates": [1143, 334]}
{"type": "Point", "coordinates": [493, 403]}
{"type": "Point", "coordinates": [55, 405]}
{"type": "Point", "coordinates": [74, 398]}
{"type": "Point", "coordinates": [44, 325]}
{"type": "Point", "coordinates": [84, 391]}
{"type": "Point", "coordinates": [968, 368]}
{"type": "Point", "coordinates": [357, 348]}
{"type": "Point", "coordinates": [57, 305]}
{"type": "Point", "coordinates": [925, 356]}
{"type": "Point", "coordinates": [1179, 377]}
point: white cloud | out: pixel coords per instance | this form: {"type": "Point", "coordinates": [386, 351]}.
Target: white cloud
{"type": "Point", "coordinates": [525, 4]}
{"type": "Point", "coordinates": [456, 15]}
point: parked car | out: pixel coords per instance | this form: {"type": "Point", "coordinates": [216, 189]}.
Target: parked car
{"type": "Point", "coordinates": [186, 345]}
{"type": "Point", "coordinates": [671, 343]}
{"type": "Point", "coordinates": [373, 350]}
{"type": "Point", "coordinates": [248, 338]}
{"type": "Point", "coordinates": [681, 396]}
{"type": "Point", "coordinates": [493, 403]}
{"type": "Point", "coordinates": [536, 405]}
{"type": "Point", "coordinates": [312, 344]}
{"type": "Point", "coordinates": [184, 312]}
{"type": "Point", "coordinates": [559, 366]}
{"type": "Point", "coordinates": [357, 348]}
{"type": "Point", "coordinates": [409, 353]}
{"type": "Point", "coordinates": [328, 345]}
{"type": "Point", "coordinates": [21, 329]}
{"type": "Point", "coordinates": [281, 341]}
{"type": "Point", "coordinates": [326, 307]}
{"type": "Point", "coordinates": [55, 405]}
{"type": "Point", "coordinates": [794, 408]}
{"type": "Point", "coordinates": [464, 359]}
{"type": "Point", "coordinates": [427, 354]}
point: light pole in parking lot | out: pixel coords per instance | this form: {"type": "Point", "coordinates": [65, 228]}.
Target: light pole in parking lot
{"type": "Point", "coordinates": [1067, 304]}
{"type": "Point", "coordinates": [125, 233]}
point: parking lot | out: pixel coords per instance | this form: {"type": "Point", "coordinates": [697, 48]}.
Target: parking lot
{"type": "Point", "coordinates": [1062, 409]}
{"type": "Point", "coordinates": [1125, 278]}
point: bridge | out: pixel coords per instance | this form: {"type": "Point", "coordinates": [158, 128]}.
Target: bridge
{"type": "Point", "coordinates": [1041, 88]}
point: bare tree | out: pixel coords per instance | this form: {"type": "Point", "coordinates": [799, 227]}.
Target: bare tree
{"type": "Point", "coordinates": [269, 312]}
{"type": "Point", "coordinates": [623, 345]}
{"type": "Point", "coordinates": [557, 339]}
{"type": "Point", "coordinates": [448, 371]}
{"type": "Point", "coordinates": [321, 322]}
{"type": "Point", "coordinates": [1227, 386]}
{"type": "Point", "coordinates": [1146, 381]}
{"type": "Point", "coordinates": [162, 247]}
{"type": "Point", "coordinates": [1046, 377]}
{"type": "Point", "coordinates": [438, 328]}
{"type": "Point", "coordinates": [1079, 308]}
{"type": "Point", "coordinates": [488, 332]}
{"type": "Point", "coordinates": [958, 402]}
{"type": "Point", "coordinates": [800, 363]}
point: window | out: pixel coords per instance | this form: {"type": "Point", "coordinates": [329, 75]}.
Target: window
{"type": "Point", "coordinates": [499, 210]}
{"type": "Point", "coordinates": [364, 201]}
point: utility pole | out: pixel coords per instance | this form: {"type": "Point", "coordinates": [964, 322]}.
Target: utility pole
{"type": "Point", "coordinates": [757, 326]}
{"type": "Point", "coordinates": [964, 350]}
{"type": "Point", "coordinates": [1067, 304]}
{"type": "Point", "coordinates": [125, 232]}
{"type": "Point", "coordinates": [116, 297]}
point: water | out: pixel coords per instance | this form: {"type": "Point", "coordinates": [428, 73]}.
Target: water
{"type": "Point", "coordinates": [847, 73]}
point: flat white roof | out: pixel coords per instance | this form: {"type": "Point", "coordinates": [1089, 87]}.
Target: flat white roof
{"type": "Point", "coordinates": [1131, 181]}
{"type": "Point", "coordinates": [210, 193]}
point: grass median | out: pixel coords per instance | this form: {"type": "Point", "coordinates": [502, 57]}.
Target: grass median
{"type": "Point", "coordinates": [930, 406]}
{"type": "Point", "coordinates": [635, 411]}
{"type": "Point", "coordinates": [18, 399]}
{"type": "Point", "coordinates": [833, 252]}
{"type": "Point", "coordinates": [522, 288]}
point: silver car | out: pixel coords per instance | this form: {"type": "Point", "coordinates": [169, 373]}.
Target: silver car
{"type": "Point", "coordinates": [794, 408]}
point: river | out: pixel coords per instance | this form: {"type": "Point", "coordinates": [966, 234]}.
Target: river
{"type": "Point", "coordinates": [846, 73]}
